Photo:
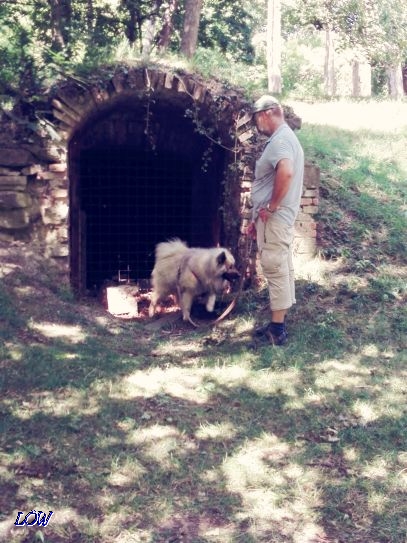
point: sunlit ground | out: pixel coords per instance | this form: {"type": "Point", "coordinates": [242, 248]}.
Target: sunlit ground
{"type": "Point", "coordinates": [380, 116]}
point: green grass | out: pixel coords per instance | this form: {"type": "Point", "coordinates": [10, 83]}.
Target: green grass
{"type": "Point", "coordinates": [190, 435]}
{"type": "Point", "coordinates": [364, 186]}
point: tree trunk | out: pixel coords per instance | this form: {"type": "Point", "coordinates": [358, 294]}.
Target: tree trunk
{"type": "Point", "coordinates": [274, 46]}
{"type": "Point", "coordinates": [149, 31]}
{"type": "Point", "coordinates": [148, 35]}
{"type": "Point", "coordinates": [132, 26]}
{"type": "Point", "coordinates": [90, 16]}
{"type": "Point", "coordinates": [166, 31]}
{"type": "Point", "coordinates": [329, 72]}
{"type": "Point", "coordinates": [60, 20]}
{"type": "Point", "coordinates": [361, 79]}
{"type": "Point", "coordinates": [395, 81]}
{"type": "Point", "coordinates": [189, 37]}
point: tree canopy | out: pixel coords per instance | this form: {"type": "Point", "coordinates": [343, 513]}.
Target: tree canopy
{"type": "Point", "coordinates": [41, 38]}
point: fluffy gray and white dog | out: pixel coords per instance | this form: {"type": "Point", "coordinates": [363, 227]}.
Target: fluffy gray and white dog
{"type": "Point", "coordinates": [190, 272]}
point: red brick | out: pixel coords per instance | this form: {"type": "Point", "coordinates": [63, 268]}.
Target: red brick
{"type": "Point", "coordinates": [310, 193]}
{"type": "Point", "coordinates": [310, 209]}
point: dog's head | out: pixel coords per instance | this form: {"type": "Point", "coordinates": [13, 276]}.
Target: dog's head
{"type": "Point", "coordinates": [226, 266]}
{"type": "Point", "coordinates": [231, 275]}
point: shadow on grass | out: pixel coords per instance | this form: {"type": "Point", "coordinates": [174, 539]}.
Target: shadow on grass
{"type": "Point", "coordinates": [138, 447]}
{"type": "Point", "coordinates": [185, 435]}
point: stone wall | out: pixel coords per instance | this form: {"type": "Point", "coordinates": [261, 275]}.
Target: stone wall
{"type": "Point", "coordinates": [305, 225]}
{"type": "Point", "coordinates": [34, 201]}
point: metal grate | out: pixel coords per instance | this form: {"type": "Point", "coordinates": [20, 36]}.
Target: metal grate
{"type": "Point", "coordinates": [131, 200]}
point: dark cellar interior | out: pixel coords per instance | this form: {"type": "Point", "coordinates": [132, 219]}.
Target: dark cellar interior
{"type": "Point", "coordinates": [135, 184]}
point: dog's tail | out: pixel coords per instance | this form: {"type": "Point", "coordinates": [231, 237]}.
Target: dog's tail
{"type": "Point", "coordinates": [171, 248]}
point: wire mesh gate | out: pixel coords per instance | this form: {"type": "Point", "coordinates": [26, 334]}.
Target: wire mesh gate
{"type": "Point", "coordinates": [131, 200]}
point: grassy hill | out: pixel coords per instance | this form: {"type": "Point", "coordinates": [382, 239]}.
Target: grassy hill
{"type": "Point", "coordinates": [133, 435]}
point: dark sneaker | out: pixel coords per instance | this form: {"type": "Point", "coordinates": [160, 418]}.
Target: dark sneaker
{"type": "Point", "coordinates": [265, 331]}
{"type": "Point", "coordinates": [277, 340]}
{"type": "Point", "coordinates": [262, 330]}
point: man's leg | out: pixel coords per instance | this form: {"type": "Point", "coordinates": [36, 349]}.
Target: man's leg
{"type": "Point", "coordinates": [276, 261]}
{"type": "Point", "coordinates": [291, 270]}
{"type": "Point", "coordinates": [279, 315]}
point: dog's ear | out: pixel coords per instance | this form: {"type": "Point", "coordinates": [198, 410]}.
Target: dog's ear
{"type": "Point", "coordinates": [221, 258]}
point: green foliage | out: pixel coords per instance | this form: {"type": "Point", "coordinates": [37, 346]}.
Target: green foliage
{"type": "Point", "coordinates": [19, 60]}
{"type": "Point", "coordinates": [379, 80]}
{"type": "Point", "coordinates": [228, 27]}
{"type": "Point", "coordinates": [301, 75]}
{"type": "Point", "coordinates": [377, 30]}
{"type": "Point", "coordinates": [214, 63]}
{"type": "Point", "coordinates": [34, 51]}
{"type": "Point", "coordinates": [39, 40]}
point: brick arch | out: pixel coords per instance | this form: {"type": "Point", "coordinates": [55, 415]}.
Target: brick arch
{"type": "Point", "coordinates": [75, 101]}
{"type": "Point", "coordinates": [149, 115]}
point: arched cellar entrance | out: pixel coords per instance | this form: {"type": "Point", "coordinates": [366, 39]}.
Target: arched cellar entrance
{"type": "Point", "coordinates": [140, 173]}
{"type": "Point", "coordinates": [127, 158]}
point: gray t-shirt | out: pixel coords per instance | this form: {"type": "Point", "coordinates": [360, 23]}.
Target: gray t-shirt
{"type": "Point", "coordinates": [282, 144]}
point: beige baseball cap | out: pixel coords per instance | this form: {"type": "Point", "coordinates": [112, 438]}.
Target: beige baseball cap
{"type": "Point", "coordinates": [265, 102]}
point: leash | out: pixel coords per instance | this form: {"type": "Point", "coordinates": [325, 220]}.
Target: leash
{"type": "Point", "coordinates": [232, 304]}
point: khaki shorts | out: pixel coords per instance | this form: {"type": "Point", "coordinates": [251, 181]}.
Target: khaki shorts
{"type": "Point", "coordinates": [274, 242]}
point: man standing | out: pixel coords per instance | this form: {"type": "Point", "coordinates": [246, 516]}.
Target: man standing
{"type": "Point", "coordinates": [276, 195]}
